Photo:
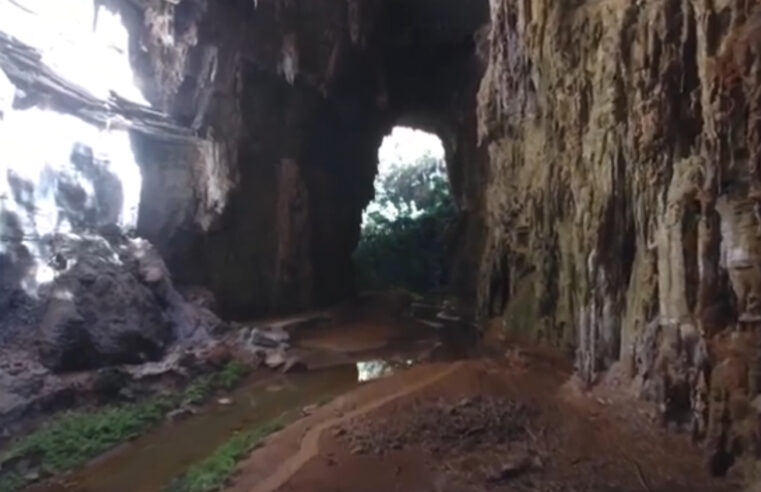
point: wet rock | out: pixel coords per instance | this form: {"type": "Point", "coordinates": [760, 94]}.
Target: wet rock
{"type": "Point", "coordinates": [267, 339]}
{"type": "Point", "coordinates": [294, 364]}
{"type": "Point", "coordinates": [275, 359]}
{"type": "Point", "coordinates": [181, 413]}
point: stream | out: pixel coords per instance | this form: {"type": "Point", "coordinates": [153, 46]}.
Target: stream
{"type": "Point", "coordinates": [150, 462]}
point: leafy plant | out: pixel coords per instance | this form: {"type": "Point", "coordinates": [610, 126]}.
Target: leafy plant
{"type": "Point", "coordinates": [11, 482]}
{"type": "Point", "coordinates": [74, 437]}
{"type": "Point", "coordinates": [198, 390]}
{"type": "Point", "coordinates": [403, 242]}
{"type": "Point", "coordinates": [202, 387]}
{"type": "Point", "coordinates": [212, 473]}
{"type": "Point", "coordinates": [231, 375]}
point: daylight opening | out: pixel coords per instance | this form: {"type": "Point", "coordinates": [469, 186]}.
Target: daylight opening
{"type": "Point", "coordinates": [403, 241]}
{"type": "Point", "coordinates": [59, 174]}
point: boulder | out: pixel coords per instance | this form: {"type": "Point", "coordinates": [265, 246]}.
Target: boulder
{"type": "Point", "coordinates": [105, 309]}
{"type": "Point", "coordinates": [275, 359]}
{"type": "Point", "coordinates": [113, 303]}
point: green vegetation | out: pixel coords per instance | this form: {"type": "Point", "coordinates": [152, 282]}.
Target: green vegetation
{"type": "Point", "coordinates": [72, 438]}
{"type": "Point", "coordinates": [403, 236]}
{"type": "Point", "coordinates": [12, 482]}
{"type": "Point", "coordinates": [230, 375]}
{"type": "Point", "coordinates": [202, 387]}
{"type": "Point", "coordinates": [212, 474]}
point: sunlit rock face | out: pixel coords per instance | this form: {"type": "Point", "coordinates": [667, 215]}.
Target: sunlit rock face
{"type": "Point", "coordinates": [73, 287]}
{"type": "Point", "coordinates": [59, 174]}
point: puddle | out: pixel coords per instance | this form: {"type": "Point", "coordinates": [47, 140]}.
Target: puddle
{"type": "Point", "coordinates": [375, 369]}
{"type": "Point", "coordinates": [150, 462]}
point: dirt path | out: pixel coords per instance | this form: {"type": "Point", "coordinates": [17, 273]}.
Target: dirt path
{"type": "Point", "coordinates": [513, 424]}
{"type": "Point", "coordinates": [310, 443]}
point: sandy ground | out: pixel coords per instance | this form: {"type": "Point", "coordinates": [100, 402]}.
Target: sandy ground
{"type": "Point", "coordinates": [507, 424]}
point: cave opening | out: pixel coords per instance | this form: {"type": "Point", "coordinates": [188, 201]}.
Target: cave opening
{"type": "Point", "coordinates": [403, 242]}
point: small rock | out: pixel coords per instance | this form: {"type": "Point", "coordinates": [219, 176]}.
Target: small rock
{"type": "Point", "coordinates": [294, 364]}
{"type": "Point", "coordinates": [358, 449]}
{"type": "Point", "coordinates": [32, 476]}
{"type": "Point", "coordinates": [225, 401]}
{"type": "Point", "coordinates": [180, 413]}
{"type": "Point", "coordinates": [309, 409]}
{"type": "Point", "coordinates": [338, 432]}
{"type": "Point", "coordinates": [511, 469]}
{"type": "Point", "coordinates": [279, 335]}
{"type": "Point", "coordinates": [262, 339]}
{"type": "Point", "coordinates": [274, 360]}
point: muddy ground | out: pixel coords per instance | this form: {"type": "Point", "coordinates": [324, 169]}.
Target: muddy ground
{"type": "Point", "coordinates": [515, 423]}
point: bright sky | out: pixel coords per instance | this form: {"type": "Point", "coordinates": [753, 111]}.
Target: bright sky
{"type": "Point", "coordinates": [97, 60]}
{"type": "Point", "coordinates": [404, 146]}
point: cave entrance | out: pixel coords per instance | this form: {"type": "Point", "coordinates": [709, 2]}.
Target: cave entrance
{"type": "Point", "coordinates": [403, 241]}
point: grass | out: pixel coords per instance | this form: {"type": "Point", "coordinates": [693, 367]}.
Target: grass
{"type": "Point", "coordinates": [224, 379]}
{"type": "Point", "coordinates": [73, 438]}
{"type": "Point", "coordinates": [230, 375]}
{"type": "Point", "coordinates": [12, 482]}
{"type": "Point", "coordinates": [213, 473]}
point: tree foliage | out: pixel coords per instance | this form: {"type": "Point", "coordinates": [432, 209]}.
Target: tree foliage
{"type": "Point", "coordinates": [403, 235]}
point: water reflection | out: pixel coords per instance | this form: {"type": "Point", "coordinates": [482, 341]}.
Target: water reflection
{"type": "Point", "coordinates": [375, 369]}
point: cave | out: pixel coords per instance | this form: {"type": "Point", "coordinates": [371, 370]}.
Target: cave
{"type": "Point", "coordinates": [306, 152]}
{"type": "Point", "coordinates": [179, 179]}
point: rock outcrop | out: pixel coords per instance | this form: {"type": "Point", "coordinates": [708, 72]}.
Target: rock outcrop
{"type": "Point", "coordinates": [621, 198]}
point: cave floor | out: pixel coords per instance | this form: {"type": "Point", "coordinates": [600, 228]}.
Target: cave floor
{"type": "Point", "coordinates": [510, 423]}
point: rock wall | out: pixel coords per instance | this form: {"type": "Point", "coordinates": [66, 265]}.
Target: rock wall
{"type": "Point", "coordinates": [622, 197]}
{"type": "Point", "coordinates": [293, 99]}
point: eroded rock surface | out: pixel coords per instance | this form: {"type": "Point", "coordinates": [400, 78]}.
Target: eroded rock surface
{"type": "Point", "coordinates": [621, 196]}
